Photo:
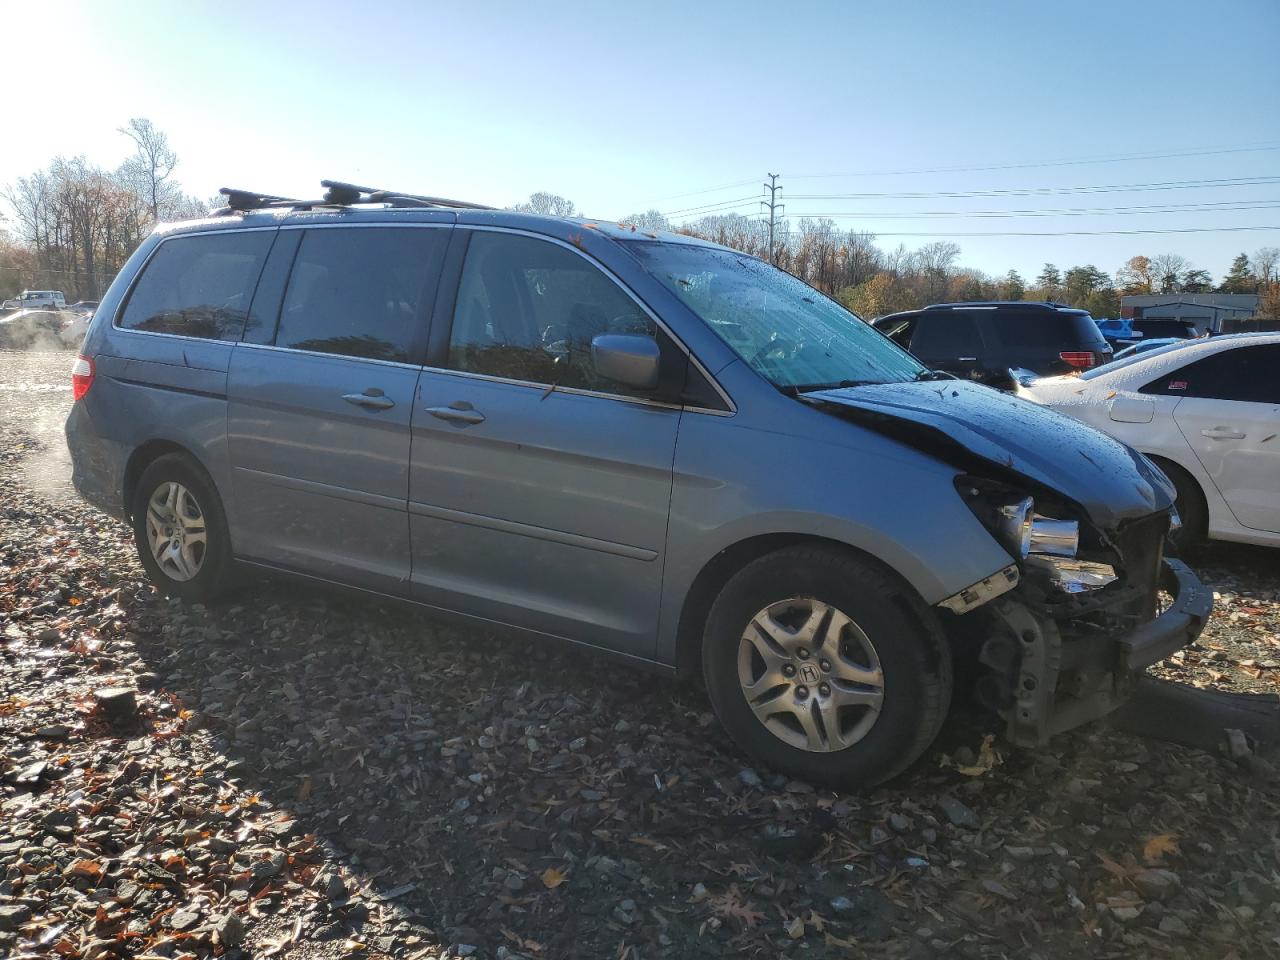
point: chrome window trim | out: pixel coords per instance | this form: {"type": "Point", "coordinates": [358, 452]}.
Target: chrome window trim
{"type": "Point", "coordinates": [332, 356]}
{"type": "Point", "coordinates": [627, 292]}
{"type": "Point", "coordinates": [577, 391]}
{"type": "Point", "coordinates": [142, 269]}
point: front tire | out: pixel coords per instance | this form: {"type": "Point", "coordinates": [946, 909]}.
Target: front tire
{"type": "Point", "coordinates": [180, 530]}
{"type": "Point", "coordinates": [1192, 509]}
{"type": "Point", "coordinates": [826, 667]}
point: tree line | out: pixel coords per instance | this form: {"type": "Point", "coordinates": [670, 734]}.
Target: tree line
{"type": "Point", "coordinates": [849, 266]}
{"type": "Point", "coordinates": [74, 224]}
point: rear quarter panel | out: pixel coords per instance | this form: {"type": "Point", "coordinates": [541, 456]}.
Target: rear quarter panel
{"type": "Point", "coordinates": [147, 387]}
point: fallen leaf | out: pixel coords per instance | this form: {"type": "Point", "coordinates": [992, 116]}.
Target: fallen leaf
{"type": "Point", "coordinates": [1159, 845]}
{"type": "Point", "coordinates": [987, 758]}
{"type": "Point", "coordinates": [552, 878]}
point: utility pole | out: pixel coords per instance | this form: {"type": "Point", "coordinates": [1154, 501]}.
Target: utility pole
{"type": "Point", "coordinates": [773, 206]}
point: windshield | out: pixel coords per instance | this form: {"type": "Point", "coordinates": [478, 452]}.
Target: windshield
{"type": "Point", "coordinates": [782, 328]}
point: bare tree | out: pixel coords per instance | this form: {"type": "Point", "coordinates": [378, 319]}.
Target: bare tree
{"type": "Point", "coordinates": [650, 220]}
{"type": "Point", "coordinates": [1167, 271]}
{"type": "Point", "coordinates": [547, 203]}
{"type": "Point", "coordinates": [1266, 265]}
{"type": "Point", "coordinates": [151, 165]}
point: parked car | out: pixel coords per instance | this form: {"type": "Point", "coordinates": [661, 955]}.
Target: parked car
{"type": "Point", "coordinates": [1208, 413]}
{"type": "Point", "coordinates": [73, 329]}
{"type": "Point", "coordinates": [984, 341]}
{"type": "Point", "coordinates": [643, 444]}
{"type": "Point", "coordinates": [1144, 346]}
{"type": "Point", "coordinates": [1150, 328]}
{"type": "Point", "coordinates": [1126, 332]}
{"type": "Point", "coordinates": [31, 330]}
{"type": "Point", "coordinates": [38, 300]}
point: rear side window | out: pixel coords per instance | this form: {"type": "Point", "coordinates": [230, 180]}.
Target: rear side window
{"type": "Point", "coordinates": [198, 286]}
{"type": "Point", "coordinates": [946, 335]}
{"type": "Point", "coordinates": [528, 310]}
{"type": "Point", "coordinates": [1245, 374]}
{"type": "Point", "coordinates": [362, 292]}
{"type": "Point", "coordinates": [1053, 331]}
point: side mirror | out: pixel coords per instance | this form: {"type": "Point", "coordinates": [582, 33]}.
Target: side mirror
{"type": "Point", "coordinates": [628, 358]}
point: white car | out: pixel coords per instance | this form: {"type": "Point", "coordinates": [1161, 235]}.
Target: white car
{"type": "Point", "coordinates": [1207, 412]}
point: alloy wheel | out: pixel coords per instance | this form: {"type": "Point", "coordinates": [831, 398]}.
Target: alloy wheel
{"type": "Point", "coordinates": [810, 675]}
{"type": "Point", "coordinates": [176, 531]}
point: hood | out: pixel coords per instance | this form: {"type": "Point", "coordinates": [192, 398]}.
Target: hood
{"type": "Point", "coordinates": [981, 430]}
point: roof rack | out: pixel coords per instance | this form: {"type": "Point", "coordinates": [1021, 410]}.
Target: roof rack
{"type": "Point", "coordinates": [252, 200]}
{"type": "Point", "coordinates": [337, 194]}
{"type": "Point", "coordinates": [346, 193]}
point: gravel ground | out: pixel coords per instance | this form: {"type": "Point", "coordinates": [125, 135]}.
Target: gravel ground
{"type": "Point", "coordinates": [297, 774]}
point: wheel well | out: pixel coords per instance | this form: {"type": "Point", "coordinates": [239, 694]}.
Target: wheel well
{"type": "Point", "coordinates": [716, 573]}
{"type": "Point", "coordinates": [142, 458]}
{"type": "Point", "coordinates": [1175, 472]}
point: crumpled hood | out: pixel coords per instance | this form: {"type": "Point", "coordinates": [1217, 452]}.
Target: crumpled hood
{"type": "Point", "coordinates": [960, 423]}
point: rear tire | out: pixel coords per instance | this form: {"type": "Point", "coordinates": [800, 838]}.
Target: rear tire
{"type": "Point", "coordinates": [180, 530]}
{"type": "Point", "coordinates": [796, 646]}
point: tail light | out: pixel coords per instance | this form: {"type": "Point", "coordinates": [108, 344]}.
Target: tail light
{"type": "Point", "coordinates": [1078, 359]}
{"type": "Point", "coordinates": [81, 377]}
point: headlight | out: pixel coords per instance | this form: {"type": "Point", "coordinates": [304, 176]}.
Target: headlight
{"type": "Point", "coordinates": [1014, 530]}
{"type": "Point", "coordinates": [1012, 519]}
{"type": "Point", "coordinates": [1057, 538]}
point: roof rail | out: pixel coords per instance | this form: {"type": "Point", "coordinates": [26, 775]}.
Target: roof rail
{"type": "Point", "coordinates": [343, 193]}
{"type": "Point", "coordinates": [337, 194]}
{"type": "Point", "coordinates": [252, 200]}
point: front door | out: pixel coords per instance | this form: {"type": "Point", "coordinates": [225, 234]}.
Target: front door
{"type": "Point", "coordinates": [539, 492]}
{"type": "Point", "coordinates": [319, 414]}
{"type": "Point", "coordinates": [1230, 416]}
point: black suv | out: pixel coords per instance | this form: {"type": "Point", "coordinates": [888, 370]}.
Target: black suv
{"type": "Point", "coordinates": [984, 341]}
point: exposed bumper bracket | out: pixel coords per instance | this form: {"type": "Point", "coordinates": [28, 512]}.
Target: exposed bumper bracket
{"type": "Point", "coordinates": [1062, 684]}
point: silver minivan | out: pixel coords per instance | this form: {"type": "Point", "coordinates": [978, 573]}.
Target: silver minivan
{"type": "Point", "coordinates": [641, 444]}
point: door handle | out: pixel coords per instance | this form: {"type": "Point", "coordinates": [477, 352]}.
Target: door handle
{"type": "Point", "coordinates": [1222, 433]}
{"type": "Point", "coordinates": [371, 399]}
{"type": "Point", "coordinates": [967, 359]}
{"type": "Point", "coordinates": [460, 411]}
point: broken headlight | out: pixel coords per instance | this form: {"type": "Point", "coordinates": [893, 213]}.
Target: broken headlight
{"type": "Point", "coordinates": [1011, 517]}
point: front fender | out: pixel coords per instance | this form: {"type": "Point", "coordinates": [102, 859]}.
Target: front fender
{"type": "Point", "coordinates": [734, 483]}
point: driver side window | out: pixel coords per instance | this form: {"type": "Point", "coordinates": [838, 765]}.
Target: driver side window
{"type": "Point", "coordinates": [528, 310]}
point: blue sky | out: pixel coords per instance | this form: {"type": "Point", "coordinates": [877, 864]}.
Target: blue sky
{"type": "Point", "coordinates": [623, 107]}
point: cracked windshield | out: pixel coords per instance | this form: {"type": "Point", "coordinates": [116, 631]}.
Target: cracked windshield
{"type": "Point", "coordinates": [475, 504]}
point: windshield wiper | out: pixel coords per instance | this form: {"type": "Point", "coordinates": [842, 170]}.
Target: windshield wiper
{"type": "Point", "coordinates": [834, 385]}
{"type": "Point", "coordinates": [932, 375]}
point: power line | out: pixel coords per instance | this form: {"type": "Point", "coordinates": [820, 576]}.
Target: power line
{"type": "Point", "coordinates": [1052, 191]}
{"type": "Point", "coordinates": [1078, 233]}
{"type": "Point", "coordinates": [728, 206]}
{"type": "Point", "coordinates": [711, 207]}
{"type": "Point", "coordinates": [697, 193]}
{"type": "Point", "coordinates": [1257, 146]}
{"type": "Point", "coordinates": [1263, 145]}
{"type": "Point", "coordinates": [1059, 212]}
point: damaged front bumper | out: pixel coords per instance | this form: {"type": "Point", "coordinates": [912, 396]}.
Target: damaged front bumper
{"type": "Point", "coordinates": [1058, 675]}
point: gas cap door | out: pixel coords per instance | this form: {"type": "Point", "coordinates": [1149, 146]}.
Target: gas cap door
{"type": "Point", "coordinates": [1131, 408]}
